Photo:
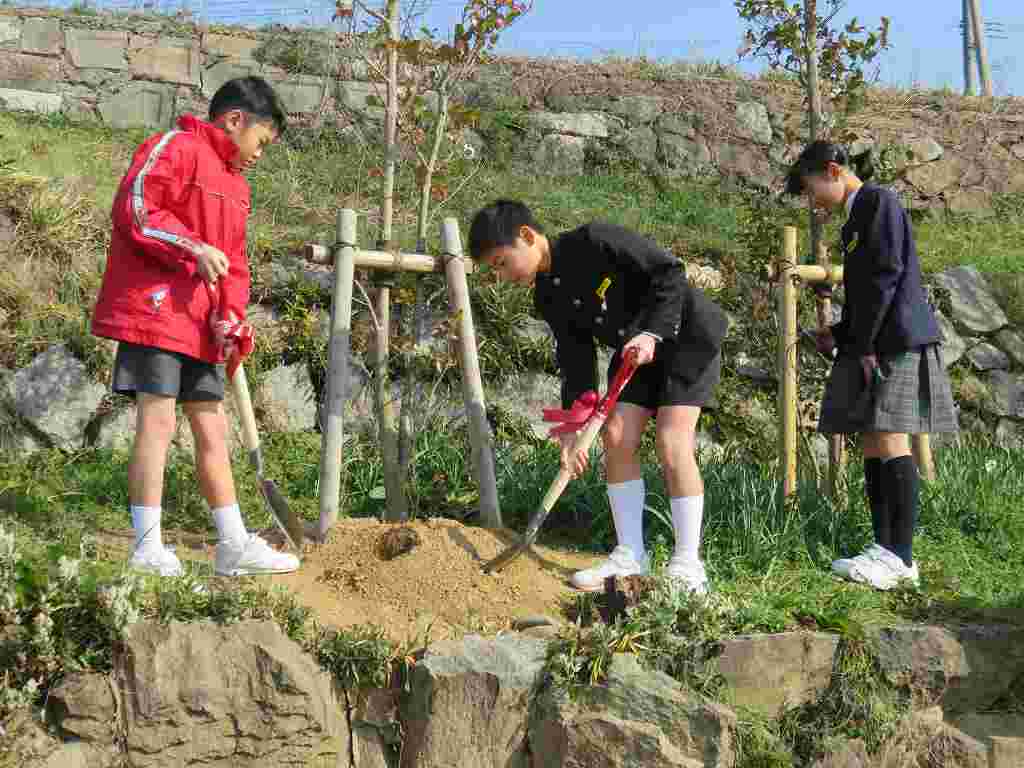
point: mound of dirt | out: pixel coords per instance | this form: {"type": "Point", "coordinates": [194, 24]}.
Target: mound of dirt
{"type": "Point", "coordinates": [438, 584]}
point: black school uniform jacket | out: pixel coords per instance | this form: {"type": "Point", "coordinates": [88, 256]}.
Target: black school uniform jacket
{"type": "Point", "coordinates": [644, 289]}
{"type": "Point", "coordinates": [886, 309]}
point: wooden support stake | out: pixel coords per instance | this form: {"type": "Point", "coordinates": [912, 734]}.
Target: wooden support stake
{"type": "Point", "coordinates": [922, 448]}
{"type": "Point", "coordinates": [472, 385]}
{"type": "Point", "coordinates": [787, 363]}
{"type": "Point", "coordinates": [337, 375]}
{"type": "Point", "coordinates": [836, 452]}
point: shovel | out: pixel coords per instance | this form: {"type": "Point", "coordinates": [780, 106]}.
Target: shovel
{"type": "Point", "coordinates": [590, 428]}
{"type": "Point", "coordinates": [288, 521]}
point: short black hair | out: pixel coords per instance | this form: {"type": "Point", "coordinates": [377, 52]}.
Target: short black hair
{"type": "Point", "coordinates": [815, 159]}
{"type": "Point", "coordinates": [254, 96]}
{"type": "Point", "coordinates": [498, 224]}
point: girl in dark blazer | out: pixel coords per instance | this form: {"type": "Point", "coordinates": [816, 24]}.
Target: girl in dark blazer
{"type": "Point", "coordinates": [601, 283]}
{"type": "Point", "coordinates": [888, 381]}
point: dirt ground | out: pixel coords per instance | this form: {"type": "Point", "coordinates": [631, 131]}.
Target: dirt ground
{"type": "Point", "coordinates": [437, 586]}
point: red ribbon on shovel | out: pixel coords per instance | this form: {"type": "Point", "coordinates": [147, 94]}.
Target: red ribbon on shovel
{"type": "Point", "coordinates": [589, 404]}
{"type": "Point", "coordinates": [240, 335]}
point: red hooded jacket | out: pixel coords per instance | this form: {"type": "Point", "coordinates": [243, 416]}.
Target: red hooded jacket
{"type": "Point", "coordinates": [180, 191]}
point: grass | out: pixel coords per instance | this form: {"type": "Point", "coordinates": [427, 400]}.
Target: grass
{"type": "Point", "coordinates": [772, 560]}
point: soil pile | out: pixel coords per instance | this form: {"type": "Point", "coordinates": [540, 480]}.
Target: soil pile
{"type": "Point", "coordinates": [437, 582]}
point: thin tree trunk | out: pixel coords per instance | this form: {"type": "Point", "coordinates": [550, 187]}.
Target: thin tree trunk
{"type": "Point", "coordinates": [394, 479]}
{"type": "Point", "coordinates": [435, 150]}
{"type": "Point", "coordinates": [390, 125]}
{"type": "Point", "coordinates": [813, 98]}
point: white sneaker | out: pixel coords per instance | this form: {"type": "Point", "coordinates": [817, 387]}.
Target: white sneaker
{"type": "Point", "coordinates": [687, 574]}
{"type": "Point", "coordinates": [157, 560]}
{"type": "Point", "coordinates": [844, 566]}
{"type": "Point", "coordinates": [621, 562]}
{"type": "Point", "coordinates": [252, 556]}
{"type": "Point", "coordinates": [884, 571]}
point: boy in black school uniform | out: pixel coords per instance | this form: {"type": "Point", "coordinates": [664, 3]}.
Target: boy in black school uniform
{"type": "Point", "coordinates": [888, 381]}
{"type": "Point", "coordinates": [603, 283]}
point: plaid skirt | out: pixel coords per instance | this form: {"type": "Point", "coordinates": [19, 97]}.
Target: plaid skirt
{"type": "Point", "coordinates": [912, 396]}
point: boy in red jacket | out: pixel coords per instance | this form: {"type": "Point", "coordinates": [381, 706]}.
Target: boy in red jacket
{"type": "Point", "coordinates": [174, 297]}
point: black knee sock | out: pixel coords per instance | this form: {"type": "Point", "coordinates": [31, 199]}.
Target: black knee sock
{"type": "Point", "coordinates": [901, 488]}
{"type": "Point", "coordinates": [880, 519]}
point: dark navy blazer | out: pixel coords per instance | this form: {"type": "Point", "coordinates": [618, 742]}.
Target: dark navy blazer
{"type": "Point", "coordinates": [607, 284]}
{"type": "Point", "coordinates": [886, 309]}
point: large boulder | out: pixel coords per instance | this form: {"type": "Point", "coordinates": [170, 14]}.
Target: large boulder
{"type": "Point", "coordinates": [468, 702]}
{"type": "Point", "coordinates": [953, 346]}
{"type": "Point", "coordinates": [769, 672]}
{"type": "Point", "coordinates": [638, 717]}
{"type": "Point", "coordinates": [528, 394]}
{"type": "Point", "coordinates": [1005, 394]}
{"type": "Point", "coordinates": [987, 357]}
{"type": "Point", "coordinates": [924, 740]}
{"type": "Point", "coordinates": [752, 120]}
{"type": "Point", "coordinates": [213, 695]}
{"type": "Point", "coordinates": [973, 305]}
{"type": "Point", "coordinates": [84, 708]}
{"type": "Point", "coordinates": [587, 124]}
{"type": "Point", "coordinates": [852, 754]}
{"type": "Point", "coordinates": [561, 155]}
{"type": "Point", "coordinates": [56, 395]}
{"type": "Point", "coordinates": [288, 398]}
{"type": "Point", "coordinates": [961, 670]}
{"type": "Point", "coordinates": [376, 731]}
{"type": "Point", "coordinates": [1012, 343]}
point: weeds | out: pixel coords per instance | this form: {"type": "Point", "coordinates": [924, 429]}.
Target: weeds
{"type": "Point", "coordinates": [858, 704]}
{"type": "Point", "coordinates": [62, 608]}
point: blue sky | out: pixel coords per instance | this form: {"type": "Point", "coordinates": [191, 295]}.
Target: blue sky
{"type": "Point", "coordinates": [927, 47]}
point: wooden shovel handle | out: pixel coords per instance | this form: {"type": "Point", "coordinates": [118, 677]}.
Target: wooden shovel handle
{"type": "Point", "coordinates": [240, 387]}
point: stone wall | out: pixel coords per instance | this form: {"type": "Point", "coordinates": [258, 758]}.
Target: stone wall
{"type": "Point", "coordinates": [132, 71]}
{"type": "Point", "coordinates": [480, 701]}
{"type": "Point", "coordinates": [942, 151]}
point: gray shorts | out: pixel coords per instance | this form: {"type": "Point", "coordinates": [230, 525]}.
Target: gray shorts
{"type": "Point", "coordinates": [168, 374]}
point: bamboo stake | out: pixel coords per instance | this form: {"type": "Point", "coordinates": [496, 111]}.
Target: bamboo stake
{"type": "Point", "coordinates": [337, 379]}
{"type": "Point", "coordinates": [472, 385]}
{"type": "Point", "coordinates": [922, 448]}
{"type": "Point", "coordinates": [787, 364]}
{"type": "Point", "coordinates": [836, 454]}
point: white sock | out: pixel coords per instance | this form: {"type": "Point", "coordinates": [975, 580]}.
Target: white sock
{"type": "Point", "coordinates": [230, 527]}
{"type": "Point", "coordinates": [146, 522]}
{"type": "Point", "coordinates": [687, 514]}
{"type": "Point", "coordinates": [627, 501]}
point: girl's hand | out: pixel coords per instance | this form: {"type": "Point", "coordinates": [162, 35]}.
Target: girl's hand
{"type": "Point", "coordinates": [577, 464]}
{"type": "Point", "coordinates": [644, 345]}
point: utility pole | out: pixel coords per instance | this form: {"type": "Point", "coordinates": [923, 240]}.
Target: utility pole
{"type": "Point", "coordinates": [978, 31]}
{"type": "Point", "coordinates": [968, 49]}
